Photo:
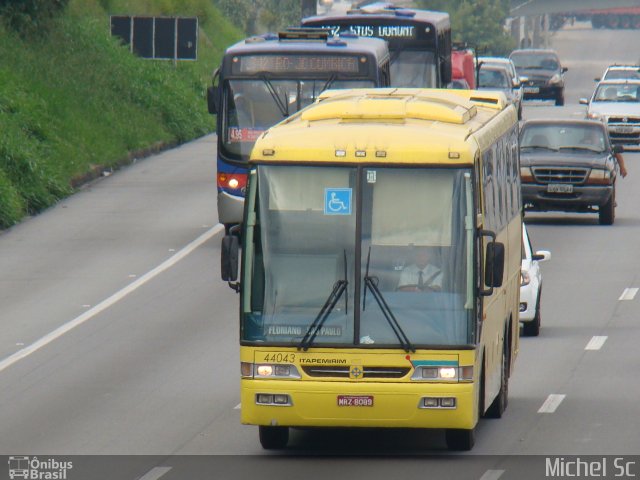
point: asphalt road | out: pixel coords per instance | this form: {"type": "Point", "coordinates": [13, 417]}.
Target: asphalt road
{"type": "Point", "coordinates": [118, 337]}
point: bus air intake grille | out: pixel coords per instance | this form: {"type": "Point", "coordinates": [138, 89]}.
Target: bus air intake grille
{"type": "Point", "coordinates": [368, 372]}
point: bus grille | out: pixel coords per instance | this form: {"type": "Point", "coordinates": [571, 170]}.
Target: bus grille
{"type": "Point", "coordinates": [560, 175]}
{"type": "Point", "coordinates": [368, 372]}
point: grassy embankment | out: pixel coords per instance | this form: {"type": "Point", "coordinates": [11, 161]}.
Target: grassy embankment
{"type": "Point", "coordinates": [73, 100]}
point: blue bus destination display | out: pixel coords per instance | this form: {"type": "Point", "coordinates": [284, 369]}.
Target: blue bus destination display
{"type": "Point", "coordinates": [378, 31]}
{"type": "Point", "coordinates": [249, 64]}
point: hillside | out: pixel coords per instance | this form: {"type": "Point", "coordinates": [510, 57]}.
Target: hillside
{"type": "Point", "coordinates": [74, 101]}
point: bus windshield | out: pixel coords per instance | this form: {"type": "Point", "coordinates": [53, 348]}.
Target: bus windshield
{"type": "Point", "coordinates": [254, 105]}
{"type": "Point", "coordinates": [414, 69]}
{"type": "Point", "coordinates": [345, 247]}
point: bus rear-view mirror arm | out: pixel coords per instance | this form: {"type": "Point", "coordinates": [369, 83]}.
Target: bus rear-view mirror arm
{"type": "Point", "coordinates": [213, 94]}
{"type": "Point", "coordinates": [229, 261]}
{"type": "Point", "coordinates": [493, 263]}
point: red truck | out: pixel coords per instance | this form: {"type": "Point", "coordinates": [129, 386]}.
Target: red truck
{"type": "Point", "coordinates": [463, 67]}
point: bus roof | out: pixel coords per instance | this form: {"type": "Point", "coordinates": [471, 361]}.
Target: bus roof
{"type": "Point", "coordinates": [385, 10]}
{"type": "Point", "coordinates": [391, 125]}
{"type": "Point", "coordinates": [271, 43]}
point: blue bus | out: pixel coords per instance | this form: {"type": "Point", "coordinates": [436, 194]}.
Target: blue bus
{"type": "Point", "coordinates": [419, 40]}
{"type": "Point", "coordinates": [264, 79]}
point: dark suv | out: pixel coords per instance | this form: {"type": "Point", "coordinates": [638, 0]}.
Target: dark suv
{"type": "Point", "coordinates": [568, 165]}
{"type": "Point", "coordinates": [545, 74]}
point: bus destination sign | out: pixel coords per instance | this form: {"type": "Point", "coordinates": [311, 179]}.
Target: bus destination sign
{"type": "Point", "coordinates": [407, 32]}
{"type": "Point", "coordinates": [283, 63]}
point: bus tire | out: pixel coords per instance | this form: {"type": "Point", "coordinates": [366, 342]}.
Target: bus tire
{"type": "Point", "coordinates": [273, 438]}
{"type": "Point", "coordinates": [499, 404]}
{"type": "Point", "coordinates": [460, 439]}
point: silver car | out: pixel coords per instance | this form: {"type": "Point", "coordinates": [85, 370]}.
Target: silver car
{"type": "Point", "coordinates": [617, 104]}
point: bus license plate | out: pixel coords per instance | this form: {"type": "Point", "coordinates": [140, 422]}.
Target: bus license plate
{"type": "Point", "coordinates": [355, 400]}
{"type": "Point", "coordinates": [559, 188]}
{"type": "Point", "coordinates": [531, 90]}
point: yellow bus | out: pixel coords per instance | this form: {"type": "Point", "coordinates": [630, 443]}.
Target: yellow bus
{"type": "Point", "coordinates": [346, 199]}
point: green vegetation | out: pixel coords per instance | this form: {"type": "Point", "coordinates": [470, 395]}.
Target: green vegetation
{"type": "Point", "coordinates": [259, 15]}
{"type": "Point", "coordinates": [478, 23]}
{"type": "Point", "coordinates": [73, 99]}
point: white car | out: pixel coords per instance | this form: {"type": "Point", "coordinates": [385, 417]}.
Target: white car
{"type": "Point", "coordinates": [531, 286]}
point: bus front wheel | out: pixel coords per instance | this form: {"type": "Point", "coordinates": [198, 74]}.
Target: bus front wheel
{"type": "Point", "coordinates": [273, 438]}
{"type": "Point", "coordinates": [460, 439]}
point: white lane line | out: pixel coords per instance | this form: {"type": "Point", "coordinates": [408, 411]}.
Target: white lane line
{"type": "Point", "coordinates": [237, 407]}
{"type": "Point", "coordinates": [492, 475]}
{"type": "Point", "coordinates": [628, 294]}
{"type": "Point", "coordinates": [155, 473]}
{"type": "Point", "coordinates": [552, 402]}
{"type": "Point", "coordinates": [116, 297]}
{"type": "Point", "coordinates": [596, 343]}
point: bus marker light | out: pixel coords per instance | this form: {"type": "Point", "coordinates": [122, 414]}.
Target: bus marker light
{"type": "Point", "coordinates": [268, 152]}
{"type": "Point", "coordinates": [282, 370]}
{"type": "Point", "coordinates": [341, 153]}
{"type": "Point", "coordinates": [466, 373]}
{"type": "Point", "coordinates": [381, 154]}
{"type": "Point", "coordinates": [429, 402]}
{"type": "Point", "coordinates": [454, 155]}
{"type": "Point", "coordinates": [246, 369]}
{"type": "Point", "coordinates": [264, 398]}
{"type": "Point", "coordinates": [361, 153]}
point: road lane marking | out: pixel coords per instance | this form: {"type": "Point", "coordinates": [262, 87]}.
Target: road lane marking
{"type": "Point", "coordinates": [492, 475]}
{"type": "Point", "coordinates": [155, 473]}
{"type": "Point", "coordinates": [113, 299]}
{"type": "Point", "coordinates": [628, 294]}
{"type": "Point", "coordinates": [552, 402]}
{"type": "Point", "coordinates": [596, 343]}
{"type": "Point", "coordinates": [237, 407]}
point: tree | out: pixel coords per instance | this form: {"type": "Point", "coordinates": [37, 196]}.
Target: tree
{"type": "Point", "coordinates": [30, 16]}
{"type": "Point", "coordinates": [255, 16]}
{"type": "Point", "coordinates": [479, 23]}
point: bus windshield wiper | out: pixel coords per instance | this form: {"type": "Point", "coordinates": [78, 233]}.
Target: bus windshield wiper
{"type": "Point", "coordinates": [338, 289]}
{"type": "Point", "coordinates": [282, 105]}
{"type": "Point", "coordinates": [328, 83]}
{"type": "Point", "coordinates": [386, 310]}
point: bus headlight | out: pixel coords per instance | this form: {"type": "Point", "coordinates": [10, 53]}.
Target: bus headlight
{"type": "Point", "coordinates": [267, 370]}
{"type": "Point", "coordinates": [443, 373]}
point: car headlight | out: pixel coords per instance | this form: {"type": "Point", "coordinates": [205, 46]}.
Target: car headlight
{"type": "Point", "coordinates": [555, 79]}
{"type": "Point", "coordinates": [598, 176]}
{"type": "Point", "coordinates": [525, 278]}
{"type": "Point", "coordinates": [525, 174]}
{"type": "Point", "coordinates": [594, 115]}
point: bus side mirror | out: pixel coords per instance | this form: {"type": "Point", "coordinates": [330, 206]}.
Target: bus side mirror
{"type": "Point", "coordinates": [494, 264]}
{"type": "Point", "coordinates": [212, 99]}
{"type": "Point", "coordinates": [229, 260]}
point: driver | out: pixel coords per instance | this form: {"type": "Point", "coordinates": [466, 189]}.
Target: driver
{"type": "Point", "coordinates": [422, 274]}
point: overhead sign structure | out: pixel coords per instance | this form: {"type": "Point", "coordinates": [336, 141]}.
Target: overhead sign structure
{"type": "Point", "coordinates": [163, 38]}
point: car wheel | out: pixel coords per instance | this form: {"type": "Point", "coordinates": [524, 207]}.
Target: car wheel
{"type": "Point", "coordinates": [273, 438]}
{"type": "Point", "coordinates": [560, 99]}
{"type": "Point", "coordinates": [532, 328]}
{"type": "Point", "coordinates": [607, 213]}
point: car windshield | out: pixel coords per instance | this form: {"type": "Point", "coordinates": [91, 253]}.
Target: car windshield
{"type": "Point", "coordinates": [555, 136]}
{"type": "Point", "coordinates": [617, 92]}
{"type": "Point", "coordinates": [542, 61]}
{"type": "Point", "coordinates": [252, 106]}
{"type": "Point", "coordinates": [493, 78]}
{"type": "Point", "coordinates": [621, 73]}
{"type": "Point", "coordinates": [413, 69]}
{"type": "Point", "coordinates": [307, 263]}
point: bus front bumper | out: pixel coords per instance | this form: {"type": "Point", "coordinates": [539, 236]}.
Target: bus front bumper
{"type": "Point", "coordinates": [317, 404]}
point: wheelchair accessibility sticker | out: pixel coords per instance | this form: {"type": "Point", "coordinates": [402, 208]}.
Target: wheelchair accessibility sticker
{"type": "Point", "coordinates": [337, 201]}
